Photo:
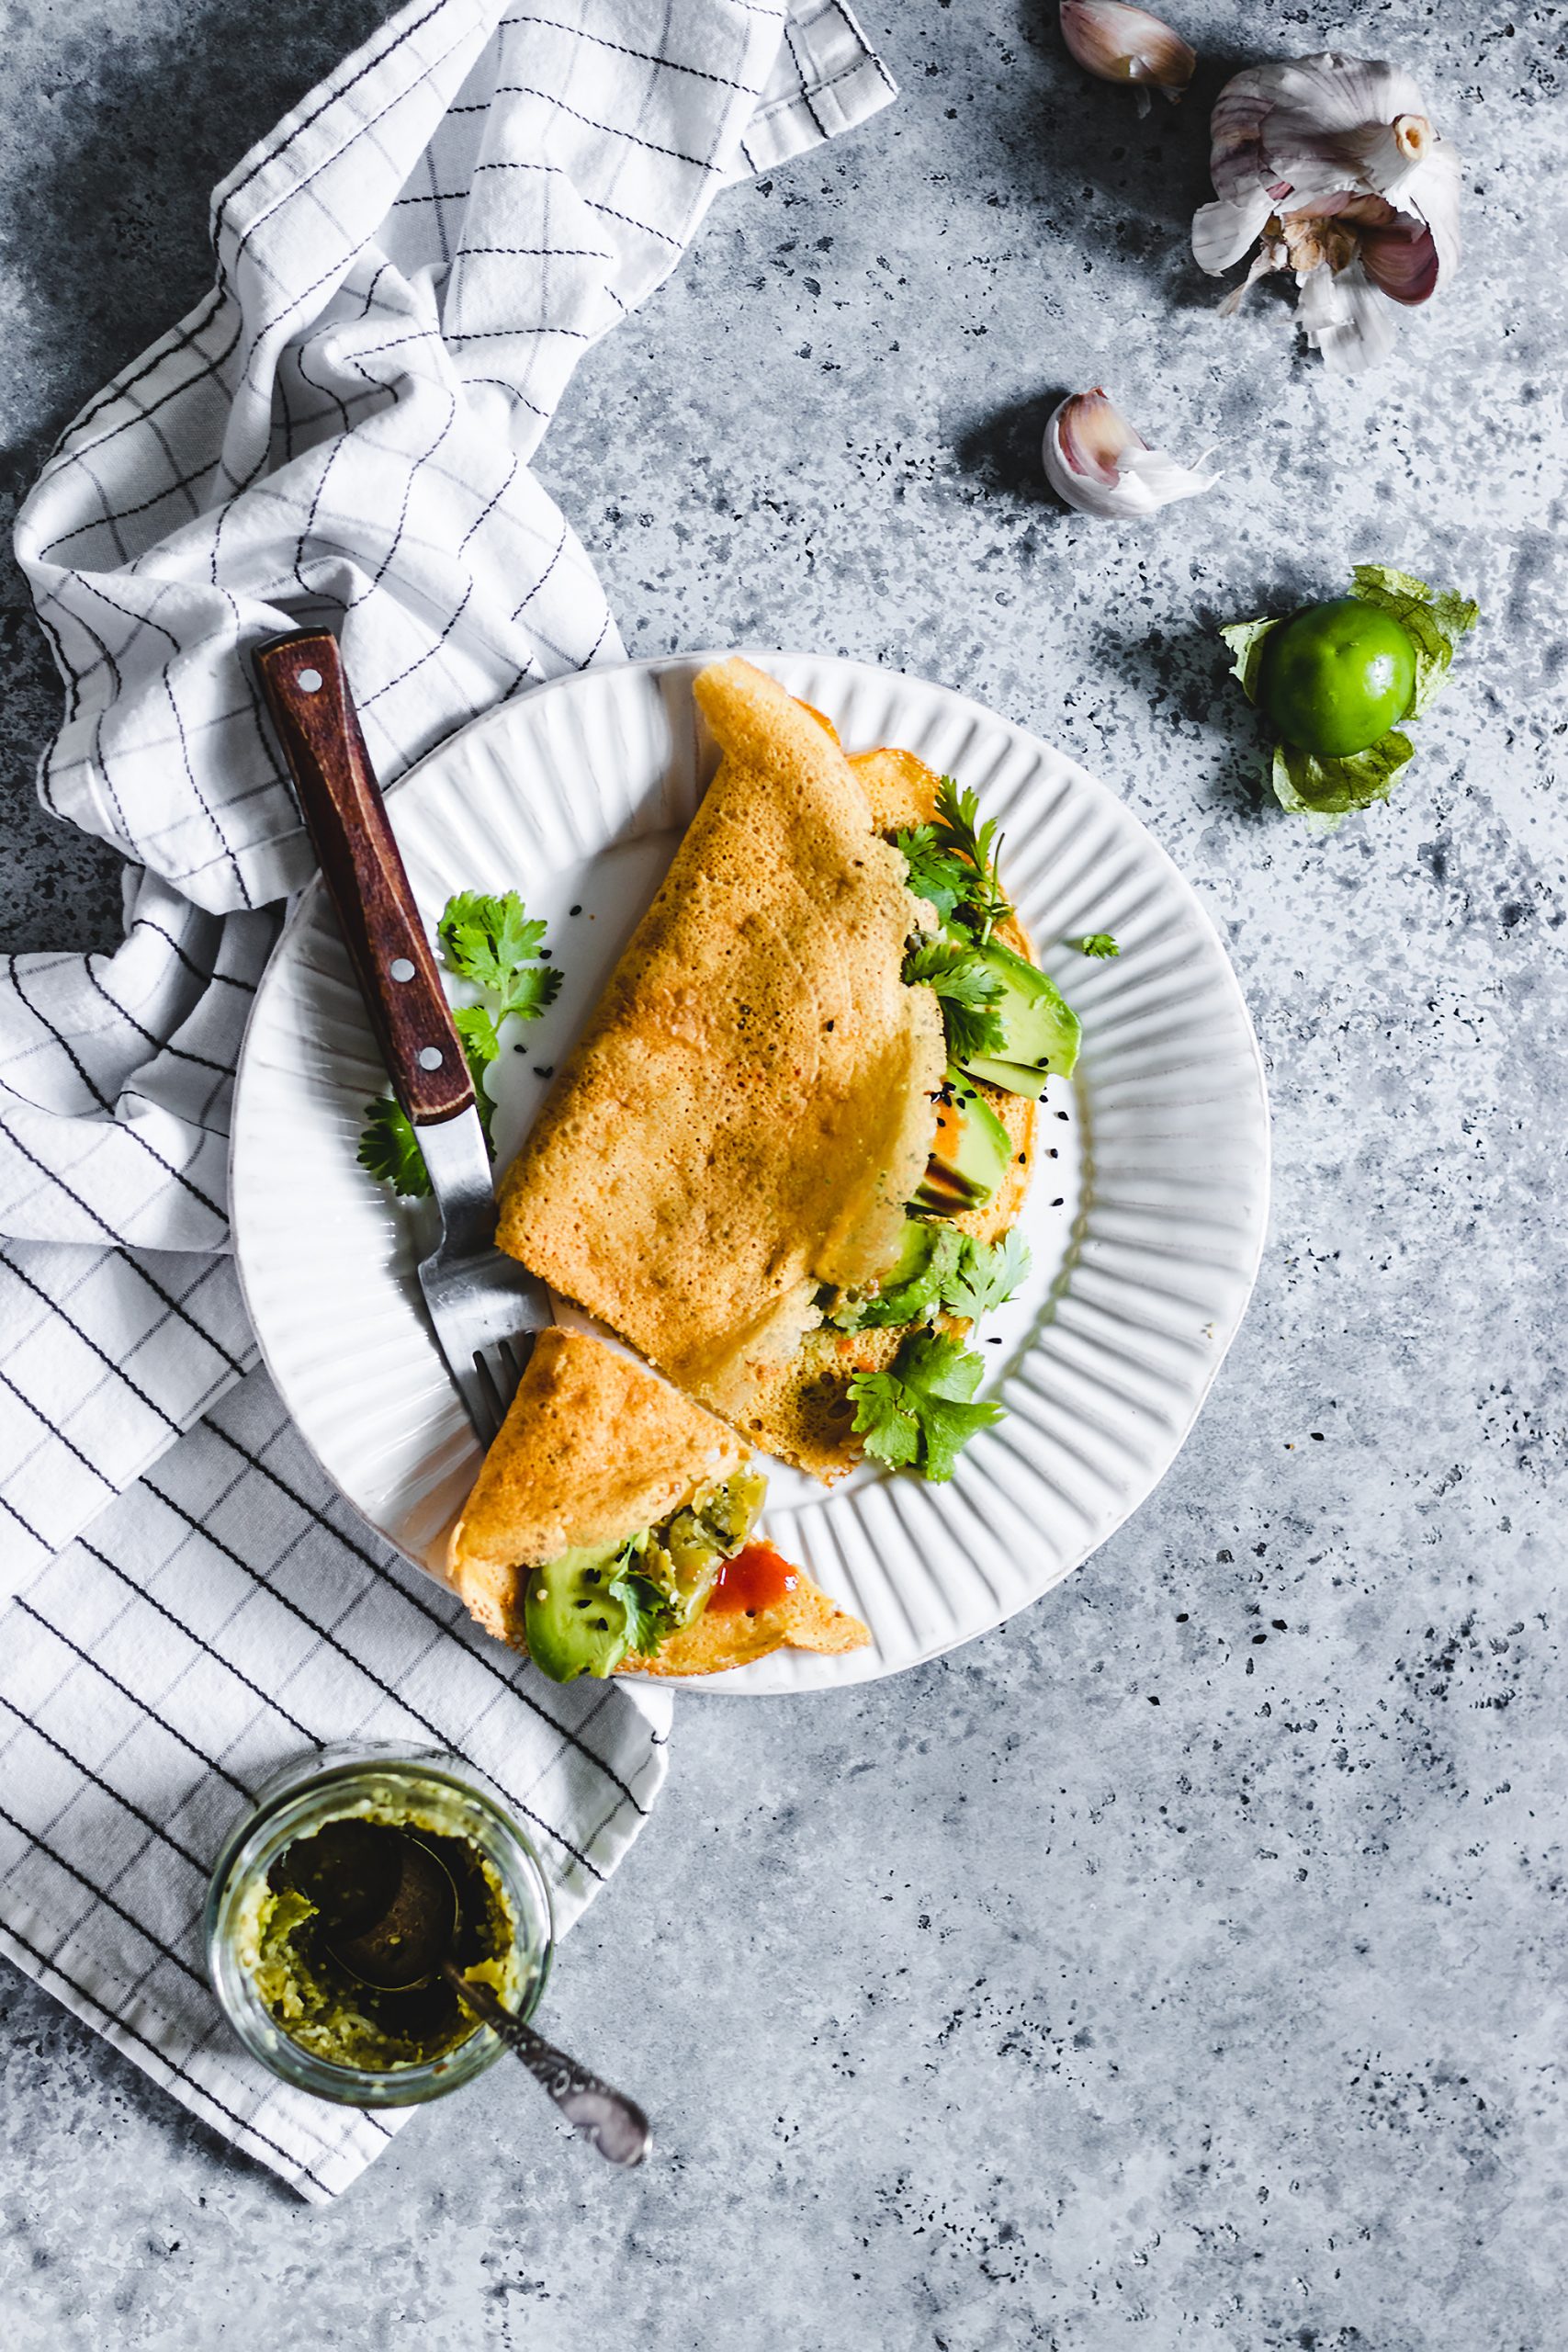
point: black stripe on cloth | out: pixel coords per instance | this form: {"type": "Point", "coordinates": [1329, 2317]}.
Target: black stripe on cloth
{"type": "Point", "coordinates": [175, 1306]}
{"type": "Point", "coordinates": [148, 620]}
{"type": "Point", "coordinates": [498, 334]}
{"type": "Point", "coordinates": [106, 658]}
{"type": "Point", "coordinates": [429, 654]}
{"type": "Point", "coordinates": [325, 1633]}
{"type": "Point", "coordinates": [303, 180]}
{"type": "Point", "coordinates": [164, 1044]}
{"type": "Point", "coordinates": [123, 2025]}
{"type": "Point", "coordinates": [598, 641]}
{"type": "Point", "coordinates": [268, 1698]}
{"type": "Point", "coordinates": [99, 1097]}
{"type": "Point", "coordinates": [181, 338]}
{"type": "Point", "coordinates": [635, 138]}
{"type": "Point", "coordinates": [24, 1524]}
{"type": "Point", "coordinates": [867, 54]}
{"type": "Point", "coordinates": [98, 1782]}
{"type": "Point", "coordinates": [140, 1704]}
{"type": "Point", "coordinates": [55, 1431]}
{"type": "Point", "coordinates": [533, 253]}
{"type": "Point", "coordinates": [645, 56]}
{"type": "Point", "coordinates": [225, 979]}
{"type": "Point", "coordinates": [817, 123]}
{"type": "Point", "coordinates": [329, 96]}
{"type": "Point", "coordinates": [410, 476]}
{"type": "Point", "coordinates": [124, 513]}
{"type": "Point", "coordinates": [486, 511]}
{"type": "Point", "coordinates": [453, 1626]}
{"type": "Point", "coordinates": [124, 1128]}
{"type": "Point", "coordinates": [502, 385]}
{"type": "Point", "coordinates": [560, 549]}
{"type": "Point", "coordinates": [42, 1846]}
{"type": "Point", "coordinates": [120, 1240]}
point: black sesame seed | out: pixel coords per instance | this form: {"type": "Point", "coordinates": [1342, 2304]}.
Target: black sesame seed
{"type": "Point", "coordinates": [544, 1073]}
{"type": "Point", "coordinates": [574, 910]}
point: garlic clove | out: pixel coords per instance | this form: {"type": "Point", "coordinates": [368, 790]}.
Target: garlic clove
{"type": "Point", "coordinates": [1333, 163]}
{"type": "Point", "coordinates": [1224, 231]}
{"type": "Point", "coordinates": [1345, 318]}
{"type": "Point", "coordinates": [1118, 43]}
{"type": "Point", "coordinates": [1099, 464]}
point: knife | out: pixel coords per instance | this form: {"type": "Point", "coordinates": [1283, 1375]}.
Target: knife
{"type": "Point", "coordinates": [485, 1308]}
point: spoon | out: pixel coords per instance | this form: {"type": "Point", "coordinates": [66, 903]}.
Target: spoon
{"type": "Point", "coordinates": [407, 1940]}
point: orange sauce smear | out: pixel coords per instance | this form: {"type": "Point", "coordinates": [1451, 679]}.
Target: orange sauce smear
{"type": "Point", "coordinates": [755, 1579]}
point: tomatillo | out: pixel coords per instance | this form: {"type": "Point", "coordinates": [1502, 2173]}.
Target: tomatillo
{"type": "Point", "coordinates": [1337, 676]}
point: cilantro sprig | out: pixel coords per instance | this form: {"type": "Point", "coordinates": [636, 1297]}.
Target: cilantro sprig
{"type": "Point", "coordinates": [1096, 942]}
{"type": "Point", "coordinates": [651, 1616]}
{"type": "Point", "coordinates": [953, 862]}
{"type": "Point", "coordinates": [960, 1276]}
{"type": "Point", "coordinates": [918, 1414]}
{"type": "Point", "coordinates": [968, 991]}
{"type": "Point", "coordinates": [494, 942]}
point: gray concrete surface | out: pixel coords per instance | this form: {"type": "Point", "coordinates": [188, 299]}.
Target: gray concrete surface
{"type": "Point", "coordinates": [997, 2006]}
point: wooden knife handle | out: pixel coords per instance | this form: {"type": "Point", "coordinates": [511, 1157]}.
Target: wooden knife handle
{"type": "Point", "coordinates": [306, 691]}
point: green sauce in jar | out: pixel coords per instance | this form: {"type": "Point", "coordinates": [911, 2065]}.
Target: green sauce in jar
{"type": "Point", "coordinates": [331, 1882]}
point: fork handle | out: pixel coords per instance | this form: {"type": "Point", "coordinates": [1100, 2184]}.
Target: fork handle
{"type": "Point", "coordinates": [306, 692]}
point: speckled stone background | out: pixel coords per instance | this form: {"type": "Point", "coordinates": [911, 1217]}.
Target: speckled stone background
{"type": "Point", "coordinates": [1182, 1965]}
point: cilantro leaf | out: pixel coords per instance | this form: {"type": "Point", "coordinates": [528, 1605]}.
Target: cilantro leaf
{"type": "Point", "coordinates": [534, 987]}
{"type": "Point", "coordinates": [389, 1149]}
{"type": "Point", "coordinates": [480, 1046]}
{"type": "Point", "coordinates": [493, 941]}
{"type": "Point", "coordinates": [918, 1413]}
{"type": "Point", "coordinates": [915, 1299]}
{"type": "Point", "coordinates": [987, 1277]}
{"type": "Point", "coordinates": [958, 830]}
{"type": "Point", "coordinates": [1096, 942]}
{"type": "Point", "coordinates": [969, 992]}
{"type": "Point", "coordinates": [936, 875]}
{"type": "Point", "coordinates": [650, 1616]}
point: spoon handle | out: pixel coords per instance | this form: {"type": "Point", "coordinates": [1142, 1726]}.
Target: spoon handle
{"type": "Point", "coordinates": [613, 2124]}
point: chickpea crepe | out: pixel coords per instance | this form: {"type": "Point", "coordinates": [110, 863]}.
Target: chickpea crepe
{"type": "Point", "coordinates": [610, 1531]}
{"type": "Point", "coordinates": [762, 1142]}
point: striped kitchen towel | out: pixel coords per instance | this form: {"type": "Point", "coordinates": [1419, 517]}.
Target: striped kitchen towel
{"type": "Point", "coordinates": [408, 270]}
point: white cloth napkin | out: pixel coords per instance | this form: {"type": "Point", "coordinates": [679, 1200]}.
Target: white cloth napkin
{"type": "Point", "coordinates": [409, 268]}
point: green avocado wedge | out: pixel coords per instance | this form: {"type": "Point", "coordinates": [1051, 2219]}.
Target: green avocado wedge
{"type": "Point", "coordinates": [1041, 1031]}
{"type": "Point", "coordinates": [572, 1625]}
{"type": "Point", "coordinates": [970, 1154]}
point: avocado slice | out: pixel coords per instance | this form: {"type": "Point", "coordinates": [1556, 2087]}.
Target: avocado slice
{"type": "Point", "coordinates": [571, 1624]}
{"type": "Point", "coordinates": [970, 1154]}
{"type": "Point", "coordinates": [1039, 1028]}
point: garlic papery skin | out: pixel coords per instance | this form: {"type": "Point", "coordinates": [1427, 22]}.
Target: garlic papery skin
{"type": "Point", "coordinates": [1118, 43]}
{"type": "Point", "coordinates": [1330, 167]}
{"type": "Point", "coordinates": [1098, 463]}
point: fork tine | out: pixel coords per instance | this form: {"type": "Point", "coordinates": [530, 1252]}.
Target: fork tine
{"type": "Point", "coordinates": [491, 1391]}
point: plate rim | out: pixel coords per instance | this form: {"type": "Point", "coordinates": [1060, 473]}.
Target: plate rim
{"type": "Point", "coordinates": [308, 900]}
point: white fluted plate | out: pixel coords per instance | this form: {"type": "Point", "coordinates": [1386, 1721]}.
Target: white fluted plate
{"type": "Point", "coordinates": [1146, 1219]}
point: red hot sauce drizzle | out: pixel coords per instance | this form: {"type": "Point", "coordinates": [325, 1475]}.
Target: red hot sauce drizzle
{"type": "Point", "coordinates": [755, 1579]}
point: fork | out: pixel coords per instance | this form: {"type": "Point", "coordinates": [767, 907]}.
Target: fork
{"type": "Point", "coordinates": [484, 1307]}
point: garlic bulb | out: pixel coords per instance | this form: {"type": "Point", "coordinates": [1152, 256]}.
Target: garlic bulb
{"type": "Point", "coordinates": [1096, 462]}
{"type": "Point", "coordinates": [1331, 164]}
{"type": "Point", "coordinates": [1122, 44]}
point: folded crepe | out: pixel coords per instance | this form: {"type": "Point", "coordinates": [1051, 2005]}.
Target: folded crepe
{"type": "Point", "coordinates": [753, 1102]}
{"type": "Point", "coordinates": [597, 1452]}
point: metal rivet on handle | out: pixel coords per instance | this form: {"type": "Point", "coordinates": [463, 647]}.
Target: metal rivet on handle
{"type": "Point", "coordinates": [431, 1057]}
{"type": "Point", "coordinates": [401, 968]}
{"type": "Point", "coordinates": [310, 681]}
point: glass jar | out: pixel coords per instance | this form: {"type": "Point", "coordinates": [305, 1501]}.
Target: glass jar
{"type": "Point", "coordinates": [427, 1789]}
